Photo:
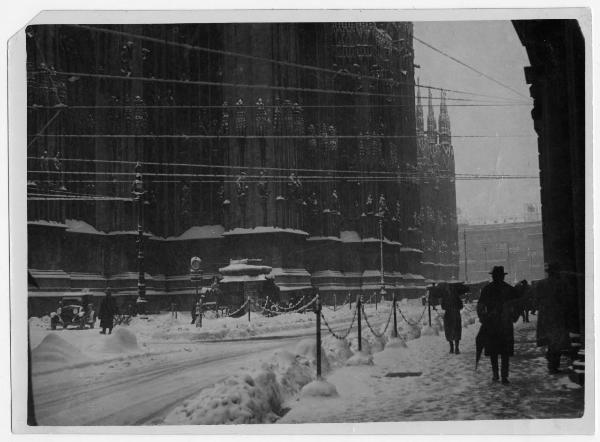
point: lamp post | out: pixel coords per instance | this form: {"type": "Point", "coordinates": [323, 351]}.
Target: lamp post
{"type": "Point", "coordinates": [196, 276]}
{"type": "Point", "coordinates": [138, 195]}
{"type": "Point", "coordinates": [382, 292]}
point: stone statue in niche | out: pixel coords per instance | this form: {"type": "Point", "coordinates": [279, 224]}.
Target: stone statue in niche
{"type": "Point", "coordinates": [332, 138]}
{"type": "Point", "coordinates": [369, 205]}
{"type": "Point", "coordinates": [382, 208]}
{"type": "Point", "coordinates": [294, 188]}
{"type": "Point", "coordinates": [240, 122]}
{"type": "Point", "coordinates": [126, 58]}
{"type": "Point", "coordinates": [224, 126]}
{"type": "Point", "coordinates": [288, 117]}
{"type": "Point", "coordinates": [185, 204]}
{"type": "Point", "coordinates": [263, 193]}
{"type": "Point", "coordinates": [298, 119]}
{"type": "Point", "coordinates": [261, 118]}
{"type": "Point", "coordinates": [277, 116]}
{"type": "Point", "coordinates": [58, 170]}
{"type": "Point", "coordinates": [242, 195]}
{"type": "Point", "coordinates": [140, 115]}
{"type": "Point", "coordinates": [335, 202]}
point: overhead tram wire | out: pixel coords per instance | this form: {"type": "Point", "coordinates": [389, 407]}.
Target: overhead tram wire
{"type": "Point", "coordinates": [241, 85]}
{"type": "Point", "coordinates": [251, 106]}
{"type": "Point", "coordinates": [462, 63]}
{"type": "Point", "coordinates": [257, 137]}
{"type": "Point", "coordinates": [340, 72]}
{"type": "Point", "coordinates": [339, 172]}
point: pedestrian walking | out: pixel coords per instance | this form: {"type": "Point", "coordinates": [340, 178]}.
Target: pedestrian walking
{"type": "Point", "coordinates": [452, 305]}
{"type": "Point", "coordinates": [551, 295]}
{"type": "Point", "coordinates": [496, 310]}
{"type": "Point", "coordinates": [108, 310]}
{"type": "Point", "coordinates": [524, 291]}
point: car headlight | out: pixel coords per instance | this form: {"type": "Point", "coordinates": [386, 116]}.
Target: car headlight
{"type": "Point", "coordinates": [52, 315]}
{"type": "Point", "coordinates": [80, 314]}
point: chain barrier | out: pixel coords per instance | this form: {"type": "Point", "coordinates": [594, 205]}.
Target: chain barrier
{"type": "Point", "coordinates": [409, 322]}
{"type": "Point", "coordinates": [335, 335]}
{"type": "Point", "coordinates": [238, 310]}
{"type": "Point", "coordinates": [371, 328]}
{"type": "Point", "coordinates": [288, 309]}
{"type": "Point", "coordinates": [298, 310]}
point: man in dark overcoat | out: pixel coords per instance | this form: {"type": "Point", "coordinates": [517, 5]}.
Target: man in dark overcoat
{"type": "Point", "coordinates": [496, 311]}
{"type": "Point", "coordinates": [452, 305]}
{"type": "Point", "coordinates": [108, 310]}
{"type": "Point", "coordinates": [551, 295]}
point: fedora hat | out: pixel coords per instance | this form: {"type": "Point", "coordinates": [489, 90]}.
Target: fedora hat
{"type": "Point", "coordinates": [498, 270]}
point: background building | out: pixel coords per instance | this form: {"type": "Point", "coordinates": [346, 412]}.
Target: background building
{"type": "Point", "coordinates": [283, 142]}
{"type": "Point", "coordinates": [516, 246]}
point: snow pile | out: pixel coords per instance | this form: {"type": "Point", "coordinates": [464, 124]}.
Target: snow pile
{"type": "Point", "coordinates": [42, 323]}
{"type": "Point", "coordinates": [55, 350]}
{"type": "Point", "coordinates": [251, 398]}
{"type": "Point", "coordinates": [241, 399]}
{"type": "Point", "coordinates": [319, 388]}
{"type": "Point", "coordinates": [308, 349]}
{"type": "Point", "coordinates": [429, 331]}
{"type": "Point", "coordinates": [121, 341]}
{"type": "Point", "coordinates": [337, 350]}
{"type": "Point", "coordinates": [360, 358]}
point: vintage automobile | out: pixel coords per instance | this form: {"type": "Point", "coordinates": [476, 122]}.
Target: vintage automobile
{"type": "Point", "coordinates": [73, 311]}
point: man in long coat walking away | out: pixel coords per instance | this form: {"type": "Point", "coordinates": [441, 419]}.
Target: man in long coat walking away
{"type": "Point", "coordinates": [551, 296]}
{"type": "Point", "coordinates": [108, 309]}
{"type": "Point", "coordinates": [452, 305]}
{"type": "Point", "coordinates": [496, 311]}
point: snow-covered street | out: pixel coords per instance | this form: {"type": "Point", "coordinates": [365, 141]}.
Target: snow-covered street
{"type": "Point", "coordinates": [163, 370]}
{"type": "Point", "coordinates": [445, 386]}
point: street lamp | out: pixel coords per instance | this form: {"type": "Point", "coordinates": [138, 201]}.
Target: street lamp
{"type": "Point", "coordinates": [196, 276]}
{"type": "Point", "coordinates": [138, 196]}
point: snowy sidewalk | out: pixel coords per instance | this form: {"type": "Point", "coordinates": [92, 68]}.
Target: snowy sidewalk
{"type": "Point", "coordinates": [448, 388]}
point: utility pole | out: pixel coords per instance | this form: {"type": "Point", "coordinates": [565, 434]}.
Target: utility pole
{"type": "Point", "coordinates": [138, 193]}
{"type": "Point", "coordinates": [465, 247]}
{"type": "Point", "coordinates": [382, 292]}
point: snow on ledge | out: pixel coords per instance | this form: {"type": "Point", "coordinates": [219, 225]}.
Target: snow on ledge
{"type": "Point", "coordinates": [263, 229]}
{"type": "Point", "coordinates": [199, 232]}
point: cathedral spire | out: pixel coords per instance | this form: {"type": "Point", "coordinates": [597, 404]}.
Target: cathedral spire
{"type": "Point", "coordinates": [444, 120]}
{"type": "Point", "coordinates": [419, 110]}
{"type": "Point", "coordinates": [431, 129]}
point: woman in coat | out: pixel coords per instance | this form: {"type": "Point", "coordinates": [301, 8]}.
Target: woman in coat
{"type": "Point", "coordinates": [452, 305]}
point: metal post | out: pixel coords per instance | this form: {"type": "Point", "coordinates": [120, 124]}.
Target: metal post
{"type": "Point", "coordinates": [138, 191]}
{"type": "Point", "coordinates": [318, 313]}
{"type": "Point", "coordinates": [247, 302]}
{"type": "Point", "coordinates": [334, 302]}
{"type": "Point", "coordinates": [465, 244]}
{"type": "Point", "coordinates": [485, 259]}
{"type": "Point", "coordinates": [395, 320]}
{"type": "Point", "coordinates": [358, 308]}
{"type": "Point", "coordinates": [429, 309]}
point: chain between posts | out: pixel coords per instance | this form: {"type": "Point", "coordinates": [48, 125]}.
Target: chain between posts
{"type": "Point", "coordinates": [414, 324]}
{"type": "Point", "coordinates": [304, 307]}
{"type": "Point", "coordinates": [335, 335]}
{"type": "Point", "coordinates": [239, 309]}
{"type": "Point", "coordinates": [371, 328]}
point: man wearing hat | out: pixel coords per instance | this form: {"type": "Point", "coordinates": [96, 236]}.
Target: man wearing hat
{"type": "Point", "coordinates": [108, 309]}
{"type": "Point", "coordinates": [551, 297]}
{"type": "Point", "coordinates": [496, 311]}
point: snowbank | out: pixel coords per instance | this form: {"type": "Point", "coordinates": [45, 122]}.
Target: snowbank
{"type": "Point", "coordinates": [55, 350]}
{"type": "Point", "coordinates": [319, 388]}
{"type": "Point", "coordinates": [121, 341]}
{"type": "Point", "coordinates": [360, 358]}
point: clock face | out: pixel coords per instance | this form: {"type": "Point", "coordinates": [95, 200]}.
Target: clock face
{"type": "Point", "coordinates": [195, 263]}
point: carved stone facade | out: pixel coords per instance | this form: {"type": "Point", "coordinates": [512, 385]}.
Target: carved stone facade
{"type": "Point", "coordinates": [293, 161]}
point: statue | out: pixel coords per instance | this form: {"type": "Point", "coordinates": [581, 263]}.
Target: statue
{"type": "Point", "coordinates": [58, 169]}
{"type": "Point", "coordinates": [126, 58]}
{"type": "Point", "coordinates": [261, 118]}
{"type": "Point", "coordinates": [335, 202]}
{"type": "Point", "coordinates": [263, 193]}
{"type": "Point", "coordinates": [277, 116]}
{"type": "Point", "coordinates": [185, 203]}
{"type": "Point", "coordinates": [382, 206]}
{"type": "Point", "coordinates": [140, 115]}
{"type": "Point", "coordinates": [240, 124]}
{"type": "Point", "coordinates": [369, 205]}
{"type": "Point", "coordinates": [332, 138]}
{"type": "Point", "coordinates": [224, 127]}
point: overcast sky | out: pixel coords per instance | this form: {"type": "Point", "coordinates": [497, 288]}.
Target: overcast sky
{"type": "Point", "coordinates": [493, 48]}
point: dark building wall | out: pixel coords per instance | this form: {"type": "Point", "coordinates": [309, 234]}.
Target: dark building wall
{"type": "Point", "coordinates": [556, 50]}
